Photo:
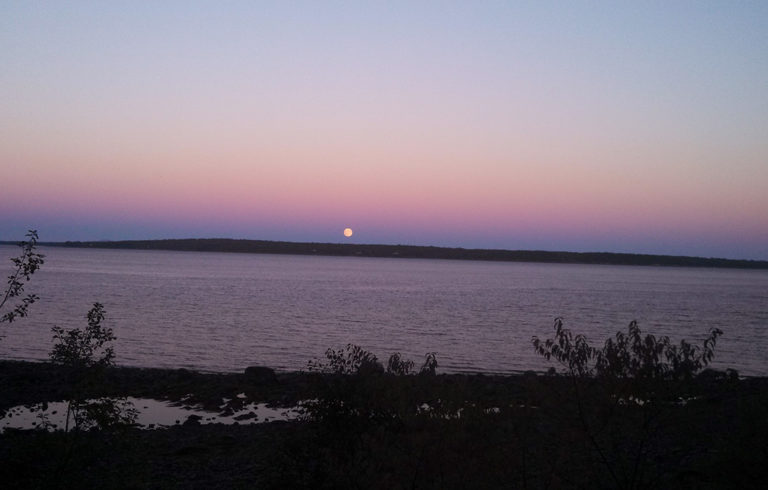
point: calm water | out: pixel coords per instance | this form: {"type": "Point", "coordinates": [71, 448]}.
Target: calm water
{"type": "Point", "coordinates": [223, 312]}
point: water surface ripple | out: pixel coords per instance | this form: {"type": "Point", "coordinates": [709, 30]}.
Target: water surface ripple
{"type": "Point", "coordinates": [223, 312]}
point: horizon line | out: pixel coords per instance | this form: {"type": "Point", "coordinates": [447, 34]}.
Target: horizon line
{"type": "Point", "coordinates": [458, 253]}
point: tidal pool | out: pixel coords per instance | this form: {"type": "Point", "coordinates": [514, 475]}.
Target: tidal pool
{"type": "Point", "coordinates": [150, 414]}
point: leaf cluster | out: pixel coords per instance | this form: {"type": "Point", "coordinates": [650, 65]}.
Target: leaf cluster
{"type": "Point", "coordinates": [633, 355]}
{"type": "Point", "coordinates": [25, 266]}
{"type": "Point", "coordinates": [351, 360]}
{"type": "Point", "coordinates": [354, 360]}
{"type": "Point", "coordinates": [399, 366]}
{"type": "Point", "coordinates": [627, 355]}
{"type": "Point", "coordinates": [88, 348]}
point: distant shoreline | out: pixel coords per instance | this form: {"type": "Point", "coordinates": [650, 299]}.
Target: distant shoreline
{"type": "Point", "coordinates": [409, 252]}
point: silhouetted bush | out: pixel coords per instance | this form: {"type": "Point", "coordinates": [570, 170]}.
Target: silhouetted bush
{"type": "Point", "coordinates": [627, 355]}
{"type": "Point", "coordinates": [350, 360]}
{"type": "Point", "coordinates": [82, 356]}
{"type": "Point", "coordinates": [430, 363]}
{"type": "Point", "coordinates": [398, 366]}
{"type": "Point", "coordinates": [623, 398]}
{"type": "Point", "coordinates": [350, 392]}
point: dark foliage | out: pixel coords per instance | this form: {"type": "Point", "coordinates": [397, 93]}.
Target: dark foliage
{"type": "Point", "coordinates": [513, 432]}
{"type": "Point", "coordinates": [25, 265]}
{"type": "Point", "coordinates": [82, 356]}
{"type": "Point", "coordinates": [398, 366]}
{"type": "Point", "coordinates": [77, 349]}
{"type": "Point", "coordinates": [351, 360]}
{"type": "Point", "coordinates": [430, 363]}
{"type": "Point", "coordinates": [629, 422]}
{"type": "Point", "coordinates": [627, 355]}
{"type": "Point", "coordinates": [624, 397]}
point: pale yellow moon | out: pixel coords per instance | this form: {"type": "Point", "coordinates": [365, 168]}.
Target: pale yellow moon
{"type": "Point", "coordinates": [347, 232]}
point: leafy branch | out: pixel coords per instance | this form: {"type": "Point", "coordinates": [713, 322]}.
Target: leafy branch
{"type": "Point", "coordinates": [631, 386]}
{"type": "Point", "coordinates": [83, 349]}
{"type": "Point", "coordinates": [25, 265]}
{"type": "Point", "coordinates": [627, 355]}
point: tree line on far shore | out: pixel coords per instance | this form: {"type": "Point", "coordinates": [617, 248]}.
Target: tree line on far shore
{"type": "Point", "coordinates": [413, 252]}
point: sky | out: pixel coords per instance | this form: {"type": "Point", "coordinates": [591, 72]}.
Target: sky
{"type": "Point", "coordinates": [636, 127]}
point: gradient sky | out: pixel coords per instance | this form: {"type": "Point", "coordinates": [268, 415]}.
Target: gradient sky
{"type": "Point", "coordinates": [585, 126]}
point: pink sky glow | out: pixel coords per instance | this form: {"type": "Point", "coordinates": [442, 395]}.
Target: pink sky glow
{"type": "Point", "coordinates": [638, 129]}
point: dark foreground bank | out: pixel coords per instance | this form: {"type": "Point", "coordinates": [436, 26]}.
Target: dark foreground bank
{"type": "Point", "coordinates": [379, 430]}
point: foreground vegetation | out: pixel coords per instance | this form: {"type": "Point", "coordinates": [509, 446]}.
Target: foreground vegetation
{"type": "Point", "coordinates": [373, 426]}
{"type": "Point", "coordinates": [636, 412]}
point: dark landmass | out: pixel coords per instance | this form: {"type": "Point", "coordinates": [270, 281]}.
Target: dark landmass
{"type": "Point", "coordinates": [412, 252]}
{"type": "Point", "coordinates": [521, 431]}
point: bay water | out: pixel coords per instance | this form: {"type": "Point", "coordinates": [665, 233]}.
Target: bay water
{"type": "Point", "coordinates": [224, 311]}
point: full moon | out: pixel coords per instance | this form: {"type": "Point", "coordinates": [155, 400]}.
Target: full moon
{"type": "Point", "coordinates": [347, 232]}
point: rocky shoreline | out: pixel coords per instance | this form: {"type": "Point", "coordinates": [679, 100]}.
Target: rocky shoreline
{"type": "Point", "coordinates": [385, 431]}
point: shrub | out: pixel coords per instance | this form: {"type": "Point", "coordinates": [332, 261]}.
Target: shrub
{"type": "Point", "coordinates": [352, 359]}
{"type": "Point", "coordinates": [620, 400]}
{"type": "Point", "coordinates": [399, 366]}
{"type": "Point", "coordinates": [627, 355]}
{"type": "Point", "coordinates": [430, 363]}
{"type": "Point", "coordinates": [83, 355]}
{"type": "Point", "coordinates": [352, 393]}
{"type": "Point", "coordinates": [82, 349]}
{"type": "Point", "coordinates": [631, 355]}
